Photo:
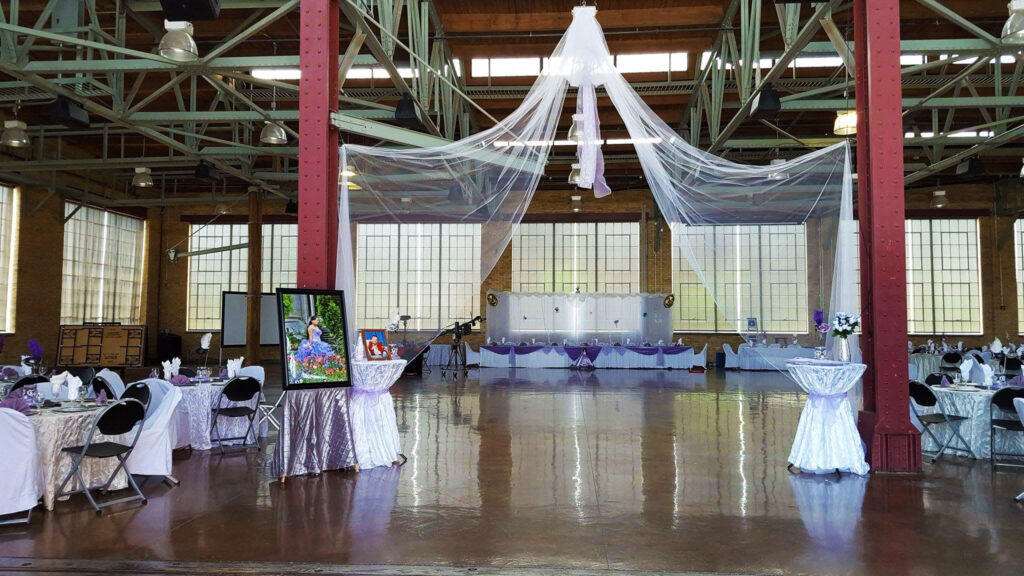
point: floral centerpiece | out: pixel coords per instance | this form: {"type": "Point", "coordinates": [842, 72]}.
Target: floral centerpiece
{"type": "Point", "coordinates": [843, 327]}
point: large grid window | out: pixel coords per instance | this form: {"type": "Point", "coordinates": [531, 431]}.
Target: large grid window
{"type": "Point", "coordinates": [577, 257]}
{"type": "Point", "coordinates": [104, 255]}
{"type": "Point", "coordinates": [756, 271]}
{"type": "Point", "coordinates": [211, 274]}
{"type": "Point", "coordinates": [430, 272]}
{"type": "Point", "coordinates": [9, 211]}
{"type": "Point", "coordinates": [943, 277]}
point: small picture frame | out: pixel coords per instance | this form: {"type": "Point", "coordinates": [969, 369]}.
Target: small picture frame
{"type": "Point", "coordinates": [375, 344]}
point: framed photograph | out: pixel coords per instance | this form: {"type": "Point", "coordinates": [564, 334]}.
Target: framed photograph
{"type": "Point", "coordinates": [314, 338]}
{"type": "Point", "coordinates": [375, 344]}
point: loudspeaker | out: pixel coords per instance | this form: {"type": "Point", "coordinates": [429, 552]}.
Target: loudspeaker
{"type": "Point", "coordinates": [766, 103]}
{"type": "Point", "coordinates": [190, 10]}
{"type": "Point", "coordinates": [69, 114]}
{"type": "Point", "coordinates": [205, 171]}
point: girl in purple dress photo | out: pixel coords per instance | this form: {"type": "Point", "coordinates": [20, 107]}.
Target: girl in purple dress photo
{"type": "Point", "coordinates": [312, 346]}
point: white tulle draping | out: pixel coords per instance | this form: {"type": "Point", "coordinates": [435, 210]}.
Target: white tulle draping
{"type": "Point", "coordinates": [372, 412]}
{"type": "Point", "coordinates": [488, 179]}
{"type": "Point", "coordinates": [580, 317]}
{"type": "Point", "coordinates": [765, 358]}
{"type": "Point", "coordinates": [826, 436]}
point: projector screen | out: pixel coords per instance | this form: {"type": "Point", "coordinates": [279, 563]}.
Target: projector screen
{"type": "Point", "coordinates": [233, 319]}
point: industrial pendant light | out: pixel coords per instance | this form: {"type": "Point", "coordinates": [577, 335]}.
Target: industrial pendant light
{"type": "Point", "coordinates": [939, 199]}
{"type": "Point", "coordinates": [273, 133]}
{"type": "Point", "coordinates": [142, 178]}
{"type": "Point", "coordinates": [846, 123]}
{"type": "Point", "coordinates": [576, 128]}
{"type": "Point", "coordinates": [14, 134]}
{"type": "Point", "coordinates": [1013, 30]}
{"type": "Point", "coordinates": [574, 174]}
{"type": "Point", "coordinates": [177, 44]}
{"type": "Point", "coordinates": [576, 203]}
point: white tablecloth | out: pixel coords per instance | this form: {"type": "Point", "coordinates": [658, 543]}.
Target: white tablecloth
{"type": "Point", "coordinates": [54, 431]}
{"type": "Point", "coordinates": [198, 402]}
{"type": "Point", "coordinates": [766, 358]}
{"type": "Point", "coordinates": [974, 404]}
{"type": "Point", "coordinates": [609, 357]}
{"type": "Point", "coordinates": [372, 412]}
{"type": "Point", "coordinates": [926, 364]}
{"type": "Point", "coordinates": [826, 436]}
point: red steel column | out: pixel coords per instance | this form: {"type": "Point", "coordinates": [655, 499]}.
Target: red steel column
{"type": "Point", "coordinates": [318, 144]}
{"type": "Point", "coordinates": [894, 445]}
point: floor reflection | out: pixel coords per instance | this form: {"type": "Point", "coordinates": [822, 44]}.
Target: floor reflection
{"type": "Point", "coordinates": [614, 469]}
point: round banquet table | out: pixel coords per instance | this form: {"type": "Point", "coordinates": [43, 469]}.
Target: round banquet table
{"type": "Point", "coordinates": [57, 430]}
{"type": "Point", "coordinates": [198, 401]}
{"type": "Point", "coordinates": [926, 364]}
{"type": "Point", "coordinates": [372, 412]}
{"type": "Point", "coordinates": [826, 436]}
{"type": "Point", "coordinates": [974, 404]}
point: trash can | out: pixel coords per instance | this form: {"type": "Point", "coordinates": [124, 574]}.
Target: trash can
{"type": "Point", "coordinates": [720, 360]}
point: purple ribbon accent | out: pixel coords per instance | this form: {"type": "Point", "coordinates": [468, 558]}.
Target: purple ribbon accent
{"type": "Point", "coordinates": [498, 349]}
{"type": "Point", "coordinates": [673, 350]}
{"type": "Point", "coordinates": [574, 352]}
{"type": "Point", "coordinates": [645, 350]}
{"type": "Point", "coordinates": [520, 350]}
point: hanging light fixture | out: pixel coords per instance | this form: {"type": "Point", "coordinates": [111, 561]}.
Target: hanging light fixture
{"type": "Point", "coordinates": [178, 44]}
{"type": "Point", "coordinates": [574, 174]}
{"type": "Point", "coordinates": [1013, 30]}
{"type": "Point", "coordinates": [14, 134]}
{"type": "Point", "coordinates": [576, 128]}
{"type": "Point", "coordinates": [939, 199]}
{"type": "Point", "coordinates": [576, 203]}
{"type": "Point", "coordinates": [348, 171]}
{"type": "Point", "coordinates": [781, 174]}
{"type": "Point", "coordinates": [273, 133]}
{"type": "Point", "coordinates": [1022, 169]}
{"type": "Point", "coordinates": [142, 178]}
{"type": "Point", "coordinates": [846, 123]}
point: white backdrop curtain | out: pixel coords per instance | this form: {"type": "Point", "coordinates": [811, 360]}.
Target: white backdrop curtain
{"type": "Point", "coordinates": [489, 178]}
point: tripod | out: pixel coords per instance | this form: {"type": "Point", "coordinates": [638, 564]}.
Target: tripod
{"type": "Point", "coordinates": [456, 360]}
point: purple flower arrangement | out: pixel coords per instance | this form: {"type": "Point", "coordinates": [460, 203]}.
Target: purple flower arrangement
{"type": "Point", "coordinates": [35, 350]}
{"type": "Point", "coordinates": [9, 373]}
{"type": "Point", "coordinates": [180, 380]}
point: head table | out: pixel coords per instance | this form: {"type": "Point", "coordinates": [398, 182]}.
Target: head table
{"type": "Point", "coordinates": [599, 355]}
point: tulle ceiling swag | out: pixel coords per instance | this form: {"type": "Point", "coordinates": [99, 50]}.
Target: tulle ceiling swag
{"type": "Point", "coordinates": [489, 178]}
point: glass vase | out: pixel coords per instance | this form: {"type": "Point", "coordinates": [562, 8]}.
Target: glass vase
{"type": "Point", "coordinates": [844, 350]}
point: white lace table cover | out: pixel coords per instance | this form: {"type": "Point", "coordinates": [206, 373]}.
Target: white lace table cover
{"type": "Point", "coordinates": [765, 358]}
{"type": "Point", "coordinates": [56, 430]}
{"type": "Point", "coordinates": [826, 436]}
{"type": "Point", "coordinates": [374, 426]}
{"type": "Point", "coordinates": [198, 402]}
{"type": "Point", "coordinates": [974, 405]}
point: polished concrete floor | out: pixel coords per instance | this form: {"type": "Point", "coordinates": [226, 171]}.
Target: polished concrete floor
{"type": "Point", "coordinates": [612, 470]}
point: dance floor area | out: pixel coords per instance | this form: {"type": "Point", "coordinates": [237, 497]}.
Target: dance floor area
{"type": "Point", "coordinates": [534, 470]}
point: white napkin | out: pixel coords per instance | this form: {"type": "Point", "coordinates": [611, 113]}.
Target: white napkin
{"type": "Point", "coordinates": [534, 340]}
{"type": "Point", "coordinates": [931, 346]}
{"type": "Point", "coordinates": [965, 369]}
{"type": "Point", "coordinates": [1020, 351]}
{"type": "Point", "coordinates": [988, 374]}
{"type": "Point", "coordinates": [960, 345]}
{"type": "Point", "coordinates": [680, 342]}
{"type": "Point", "coordinates": [171, 367]}
{"type": "Point", "coordinates": [57, 381]}
{"type": "Point", "coordinates": [984, 348]}
{"type": "Point", "coordinates": [74, 387]}
{"type": "Point", "coordinates": [627, 341]}
{"type": "Point", "coordinates": [910, 345]}
{"type": "Point", "coordinates": [502, 339]}
{"type": "Point", "coordinates": [488, 339]}
{"type": "Point", "coordinates": [997, 346]}
{"type": "Point", "coordinates": [204, 343]}
{"type": "Point", "coordinates": [234, 366]}
{"type": "Point", "coordinates": [661, 342]}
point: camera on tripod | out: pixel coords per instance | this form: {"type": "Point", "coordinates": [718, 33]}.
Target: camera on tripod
{"type": "Point", "coordinates": [460, 329]}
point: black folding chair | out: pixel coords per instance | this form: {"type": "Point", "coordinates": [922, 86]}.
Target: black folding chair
{"type": "Point", "coordinates": [83, 373]}
{"type": "Point", "coordinates": [1011, 367]}
{"type": "Point", "coordinates": [934, 379]}
{"type": "Point", "coordinates": [119, 418]}
{"type": "Point", "coordinates": [950, 362]}
{"type": "Point", "coordinates": [998, 419]}
{"type": "Point", "coordinates": [28, 381]}
{"type": "Point", "coordinates": [922, 395]}
{"type": "Point", "coordinates": [138, 391]}
{"type": "Point", "coordinates": [187, 372]}
{"type": "Point", "coordinates": [240, 389]}
{"type": "Point", "coordinates": [100, 384]}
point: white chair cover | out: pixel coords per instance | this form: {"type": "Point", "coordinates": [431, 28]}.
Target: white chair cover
{"type": "Point", "coordinates": [472, 356]}
{"type": "Point", "coordinates": [701, 359]}
{"type": "Point", "coordinates": [112, 378]}
{"type": "Point", "coordinates": [1018, 403]}
{"type": "Point", "coordinates": [732, 360]}
{"type": "Point", "coordinates": [21, 483]}
{"type": "Point", "coordinates": [152, 454]}
{"type": "Point", "coordinates": [912, 370]}
{"type": "Point", "coordinates": [256, 372]}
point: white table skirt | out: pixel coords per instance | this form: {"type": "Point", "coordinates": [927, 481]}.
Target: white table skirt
{"type": "Point", "coordinates": [975, 430]}
{"type": "Point", "coordinates": [372, 412]}
{"type": "Point", "coordinates": [197, 402]}
{"type": "Point", "coordinates": [765, 358]}
{"type": "Point", "coordinates": [826, 436]}
{"type": "Point", "coordinates": [926, 364]}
